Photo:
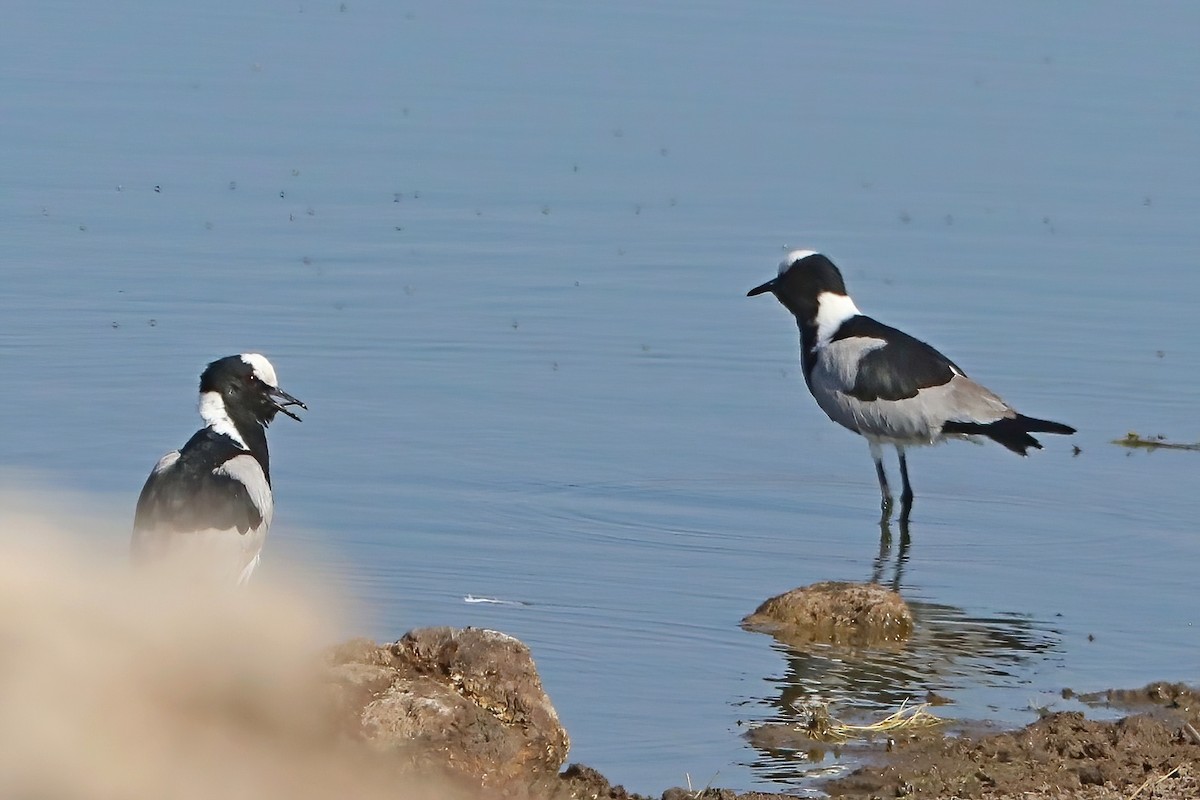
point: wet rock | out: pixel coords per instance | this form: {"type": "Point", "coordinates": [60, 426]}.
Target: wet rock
{"type": "Point", "coordinates": [467, 700]}
{"type": "Point", "coordinates": [579, 782]}
{"type": "Point", "coordinates": [1160, 693]}
{"type": "Point", "coordinates": [1089, 775]}
{"type": "Point", "coordinates": [833, 611]}
{"type": "Point", "coordinates": [777, 737]}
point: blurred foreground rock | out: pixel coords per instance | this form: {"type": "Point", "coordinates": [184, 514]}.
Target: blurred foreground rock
{"type": "Point", "coordinates": [465, 700]}
{"type": "Point", "coordinates": [833, 611]}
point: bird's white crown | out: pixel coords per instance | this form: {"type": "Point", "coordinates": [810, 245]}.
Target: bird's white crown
{"type": "Point", "coordinates": [262, 368]}
{"type": "Point", "coordinates": [793, 257]}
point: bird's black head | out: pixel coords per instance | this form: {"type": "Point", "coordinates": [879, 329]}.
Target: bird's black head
{"type": "Point", "coordinates": [248, 388]}
{"type": "Point", "coordinates": [803, 277]}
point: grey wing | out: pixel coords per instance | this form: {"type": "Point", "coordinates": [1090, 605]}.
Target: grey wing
{"type": "Point", "coordinates": [873, 403]}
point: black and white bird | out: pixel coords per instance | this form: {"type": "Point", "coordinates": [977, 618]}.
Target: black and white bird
{"type": "Point", "coordinates": [883, 384]}
{"type": "Point", "coordinates": [206, 508]}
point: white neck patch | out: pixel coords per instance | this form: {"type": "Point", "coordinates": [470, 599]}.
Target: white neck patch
{"type": "Point", "coordinates": [215, 416]}
{"type": "Point", "coordinates": [793, 257]}
{"type": "Point", "coordinates": [262, 369]}
{"type": "Point", "coordinates": [832, 311]}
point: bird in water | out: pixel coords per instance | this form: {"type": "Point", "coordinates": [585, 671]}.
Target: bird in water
{"type": "Point", "coordinates": [206, 507]}
{"type": "Point", "coordinates": [883, 384]}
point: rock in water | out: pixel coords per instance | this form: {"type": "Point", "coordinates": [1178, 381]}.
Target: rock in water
{"type": "Point", "coordinates": [833, 611]}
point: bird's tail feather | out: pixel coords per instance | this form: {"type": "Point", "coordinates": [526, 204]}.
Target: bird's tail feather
{"type": "Point", "coordinates": [1012, 432]}
{"type": "Point", "coordinates": [1036, 425]}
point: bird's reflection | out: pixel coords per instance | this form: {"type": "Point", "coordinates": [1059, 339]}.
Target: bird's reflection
{"type": "Point", "coordinates": [885, 552]}
{"type": "Point", "coordinates": [949, 650]}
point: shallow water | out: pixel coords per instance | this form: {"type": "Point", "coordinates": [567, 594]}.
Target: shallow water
{"type": "Point", "coordinates": [501, 252]}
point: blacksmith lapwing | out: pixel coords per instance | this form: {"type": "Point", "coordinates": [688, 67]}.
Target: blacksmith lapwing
{"type": "Point", "coordinates": [882, 383]}
{"type": "Point", "coordinates": [206, 508]}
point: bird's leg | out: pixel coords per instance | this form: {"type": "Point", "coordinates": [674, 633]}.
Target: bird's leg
{"type": "Point", "coordinates": [886, 501]}
{"type": "Point", "coordinates": [906, 493]}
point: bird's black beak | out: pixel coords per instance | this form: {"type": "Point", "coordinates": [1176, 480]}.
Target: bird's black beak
{"type": "Point", "coordinates": [769, 286]}
{"type": "Point", "coordinates": [282, 400]}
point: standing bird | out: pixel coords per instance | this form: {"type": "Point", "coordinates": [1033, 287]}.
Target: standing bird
{"type": "Point", "coordinates": [206, 507]}
{"type": "Point", "coordinates": [882, 383]}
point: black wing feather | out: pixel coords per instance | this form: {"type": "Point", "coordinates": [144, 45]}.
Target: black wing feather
{"type": "Point", "coordinates": [188, 496]}
{"type": "Point", "coordinates": [898, 369]}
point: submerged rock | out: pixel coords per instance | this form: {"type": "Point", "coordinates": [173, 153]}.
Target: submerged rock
{"type": "Point", "coordinates": [836, 612]}
{"type": "Point", "coordinates": [465, 700]}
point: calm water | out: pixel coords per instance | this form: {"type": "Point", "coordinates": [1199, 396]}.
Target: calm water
{"type": "Point", "coordinates": [501, 249]}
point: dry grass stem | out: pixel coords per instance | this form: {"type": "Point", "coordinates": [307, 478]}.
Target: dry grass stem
{"type": "Point", "coordinates": [824, 727]}
{"type": "Point", "coordinates": [1152, 782]}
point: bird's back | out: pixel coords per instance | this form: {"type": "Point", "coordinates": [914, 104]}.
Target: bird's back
{"type": "Point", "coordinates": [205, 508]}
{"type": "Point", "coordinates": [883, 383]}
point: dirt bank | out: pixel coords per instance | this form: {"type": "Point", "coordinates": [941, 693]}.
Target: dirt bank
{"type": "Point", "coordinates": [1152, 753]}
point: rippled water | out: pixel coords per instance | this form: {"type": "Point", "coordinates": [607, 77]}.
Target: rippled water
{"type": "Point", "coordinates": [501, 252]}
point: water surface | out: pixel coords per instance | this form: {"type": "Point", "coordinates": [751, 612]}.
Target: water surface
{"type": "Point", "coordinates": [501, 250]}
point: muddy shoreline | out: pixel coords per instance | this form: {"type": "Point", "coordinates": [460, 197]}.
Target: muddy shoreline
{"type": "Point", "coordinates": [473, 699]}
{"type": "Point", "coordinates": [1152, 752]}
{"type": "Point", "coordinates": [467, 705]}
